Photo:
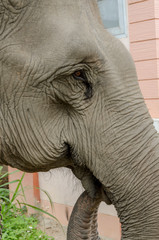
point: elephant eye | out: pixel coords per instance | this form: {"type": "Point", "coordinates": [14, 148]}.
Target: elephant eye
{"type": "Point", "coordinates": [80, 75]}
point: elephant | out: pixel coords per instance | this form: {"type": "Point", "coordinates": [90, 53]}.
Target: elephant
{"type": "Point", "coordinates": [69, 97]}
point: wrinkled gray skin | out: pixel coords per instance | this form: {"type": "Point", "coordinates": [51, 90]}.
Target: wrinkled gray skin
{"type": "Point", "coordinates": [83, 222]}
{"type": "Point", "coordinates": [93, 121]}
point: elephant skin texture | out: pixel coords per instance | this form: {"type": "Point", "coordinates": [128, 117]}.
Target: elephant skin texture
{"type": "Point", "coordinates": [69, 97]}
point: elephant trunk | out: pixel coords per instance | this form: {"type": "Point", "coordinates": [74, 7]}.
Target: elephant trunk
{"type": "Point", "coordinates": [83, 221]}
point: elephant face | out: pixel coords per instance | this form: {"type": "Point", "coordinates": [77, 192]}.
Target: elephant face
{"type": "Point", "coordinates": [64, 86]}
{"type": "Point", "coordinates": [69, 95]}
{"type": "Point", "coordinates": [44, 82]}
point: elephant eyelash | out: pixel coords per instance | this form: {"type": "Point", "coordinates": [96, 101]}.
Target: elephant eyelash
{"type": "Point", "coordinates": [89, 91]}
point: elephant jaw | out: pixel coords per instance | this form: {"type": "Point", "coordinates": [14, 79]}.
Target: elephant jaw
{"type": "Point", "coordinates": [94, 188]}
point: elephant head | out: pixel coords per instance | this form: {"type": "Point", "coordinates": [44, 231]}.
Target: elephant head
{"type": "Point", "coordinates": [69, 97]}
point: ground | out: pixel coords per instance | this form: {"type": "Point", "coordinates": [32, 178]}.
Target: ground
{"type": "Point", "coordinates": [53, 228]}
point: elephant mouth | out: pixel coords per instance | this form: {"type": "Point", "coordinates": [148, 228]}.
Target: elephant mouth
{"type": "Point", "coordinates": [94, 188]}
{"type": "Point", "coordinates": [91, 184]}
{"type": "Point", "coordinates": [83, 221]}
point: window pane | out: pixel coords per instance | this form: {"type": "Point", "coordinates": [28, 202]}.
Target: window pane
{"type": "Point", "coordinates": [109, 10]}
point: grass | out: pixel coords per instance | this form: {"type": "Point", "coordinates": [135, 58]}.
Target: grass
{"type": "Point", "coordinates": [16, 224]}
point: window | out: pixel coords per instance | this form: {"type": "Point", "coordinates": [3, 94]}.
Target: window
{"type": "Point", "coordinates": [113, 13]}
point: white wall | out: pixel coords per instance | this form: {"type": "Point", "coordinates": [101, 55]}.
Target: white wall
{"type": "Point", "coordinates": [64, 188]}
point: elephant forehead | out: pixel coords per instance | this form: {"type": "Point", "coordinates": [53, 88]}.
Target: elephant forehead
{"type": "Point", "coordinates": [56, 31]}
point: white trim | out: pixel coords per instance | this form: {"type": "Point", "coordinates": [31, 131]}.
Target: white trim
{"type": "Point", "coordinates": [122, 30]}
{"type": "Point", "coordinates": [156, 124]}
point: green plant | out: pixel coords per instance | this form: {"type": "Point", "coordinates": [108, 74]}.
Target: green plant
{"type": "Point", "coordinates": [16, 225]}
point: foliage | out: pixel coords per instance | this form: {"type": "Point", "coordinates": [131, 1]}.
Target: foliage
{"type": "Point", "coordinates": [16, 224]}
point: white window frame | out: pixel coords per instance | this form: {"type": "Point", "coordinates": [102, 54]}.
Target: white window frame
{"type": "Point", "coordinates": [121, 31]}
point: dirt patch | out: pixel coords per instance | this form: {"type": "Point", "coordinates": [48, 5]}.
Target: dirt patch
{"type": "Point", "coordinates": [54, 229]}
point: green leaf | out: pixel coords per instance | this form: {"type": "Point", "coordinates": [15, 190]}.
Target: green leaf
{"type": "Point", "coordinates": [17, 188]}
{"type": "Point", "coordinates": [22, 189]}
{"type": "Point", "coordinates": [41, 210]}
{"type": "Point", "coordinates": [6, 184]}
{"type": "Point", "coordinates": [7, 173]}
{"type": "Point", "coordinates": [49, 197]}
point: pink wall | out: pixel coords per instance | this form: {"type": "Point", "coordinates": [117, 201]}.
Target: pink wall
{"type": "Point", "coordinates": [28, 185]}
{"type": "Point", "coordinates": [144, 47]}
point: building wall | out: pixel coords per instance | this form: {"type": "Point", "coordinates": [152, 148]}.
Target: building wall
{"type": "Point", "coordinates": [144, 47]}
